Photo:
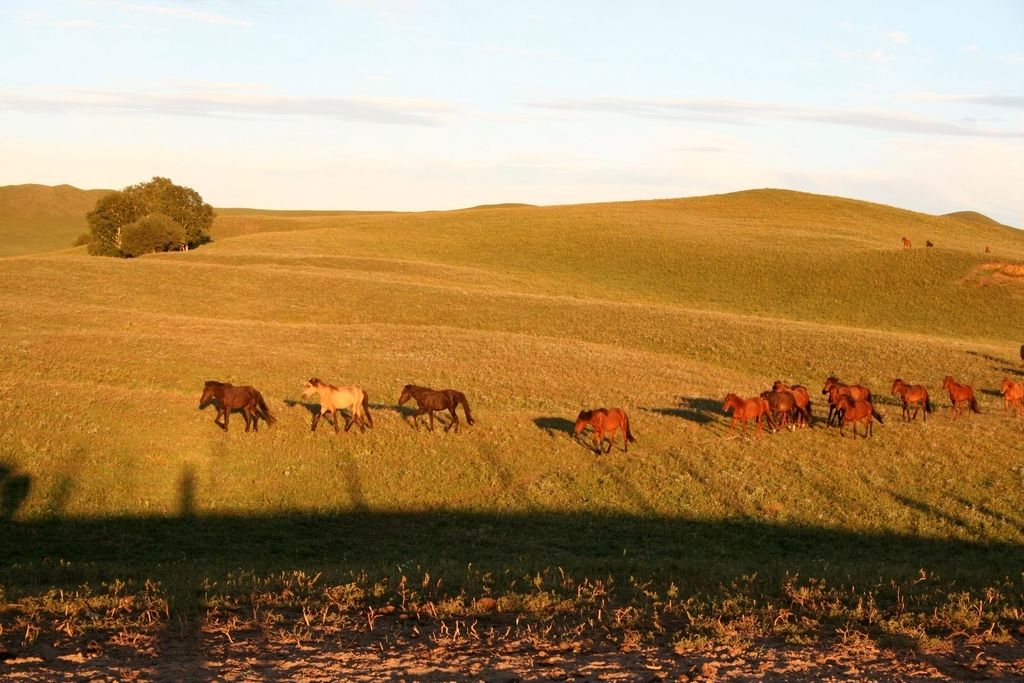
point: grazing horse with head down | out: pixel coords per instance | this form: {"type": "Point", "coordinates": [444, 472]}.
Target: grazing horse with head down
{"type": "Point", "coordinates": [1013, 395]}
{"type": "Point", "coordinates": [834, 388]}
{"type": "Point", "coordinates": [335, 399]}
{"type": "Point", "coordinates": [228, 397]}
{"type": "Point", "coordinates": [857, 411]}
{"type": "Point", "coordinates": [959, 395]}
{"type": "Point", "coordinates": [606, 422]}
{"type": "Point", "coordinates": [744, 409]}
{"type": "Point", "coordinates": [428, 400]}
{"type": "Point", "coordinates": [912, 395]}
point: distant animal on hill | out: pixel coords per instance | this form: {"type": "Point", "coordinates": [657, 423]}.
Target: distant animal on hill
{"type": "Point", "coordinates": [856, 411]}
{"type": "Point", "coordinates": [335, 399]}
{"type": "Point", "coordinates": [833, 388]}
{"type": "Point", "coordinates": [1022, 355]}
{"type": "Point", "coordinates": [228, 397]}
{"type": "Point", "coordinates": [745, 409]}
{"type": "Point", "coordinates": [959, 395]}
{"type": "Point", "coordinates": [1013, 395]}
{"type": "Point", "coordinates": [928, 243]}
{"type": "Point", "coordinates": [783, 408]}
{"type": "Point", "coordinates": [606, 422]}
{"type": "Point", "coordinates": [906, 243]}
{"type": "Point", "coordinates": [912, 395]}
{"type": "Point", "coordinates": [428, 400]}
{"type": "Point", "coordinates": [802, 397]}
{"type": "Point", "coordinates": [987, 250]}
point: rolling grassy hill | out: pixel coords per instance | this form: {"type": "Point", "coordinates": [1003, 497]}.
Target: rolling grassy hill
{"type": "Point", "coordinates": [535, 312]}
{"type": "Point", "coordinates": [36, 218]}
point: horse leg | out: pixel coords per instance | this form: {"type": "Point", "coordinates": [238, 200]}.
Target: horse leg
{"type": "Point", "coordinates": [255, 417]}
{"type": "Point", "coordinates": [348, 421]}
{"type": "Point", "coordinates": [454, 421]}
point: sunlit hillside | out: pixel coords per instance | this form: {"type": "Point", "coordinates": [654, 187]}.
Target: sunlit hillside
{"type": "Point", "coordinates": [535, 313]}
{"type": "Point", "coordinates": [35, 218]}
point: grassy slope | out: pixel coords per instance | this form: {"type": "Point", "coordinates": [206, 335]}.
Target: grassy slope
{"type": "Point", "coordinates": [35, 218]}
{"type": "Point", "coordinates": [535, 313]}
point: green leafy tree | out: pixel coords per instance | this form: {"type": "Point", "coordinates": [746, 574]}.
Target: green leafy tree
{"type": "Point", "coordinates": [155, 232]}
{"type": "Point", "coordinates": [116, 211]}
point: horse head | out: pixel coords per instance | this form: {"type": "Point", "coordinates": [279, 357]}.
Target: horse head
{"type": "Point", "coordinates": [310, 387]}
{"type": "Point", "coordinates": [406, 394]}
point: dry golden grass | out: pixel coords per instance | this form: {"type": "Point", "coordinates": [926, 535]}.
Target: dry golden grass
{"type": "Point", "coordinates": [661, 307]}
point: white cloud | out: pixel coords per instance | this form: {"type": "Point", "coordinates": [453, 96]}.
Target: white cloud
{"type": "Point", "coordinates": [212, 100]}
{"type": "Point", "coordinates": [746, 112]}
{"type": "Point", "coordinates": [897, 37]}
{"type": "Point", "coordinates": [167, 10]}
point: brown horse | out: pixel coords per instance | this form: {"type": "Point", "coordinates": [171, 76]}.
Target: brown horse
{"type": "Point", "coordinates": [428, 400]}
{"type": "Point", "coordinates": [928, 243]}
{"type": "Point", "coordinates": [1022, 355]}
{"type": "Point", "coordinates": [606, 422]}
{"type": "Point", "coordinates": [745, 409]}
{"type": "Point", "coordinates": [912, 395]}
{"type": "Point", "coordinates": [906, 243]}
{"type": "Point", "coordinates": [1013, 395]}
{"type": "Point", "coordinates": [783, 407]}
{"type": "Point", "coordinates": [334, 399]}
{"type": "Point", "coordinates": [856, 411]}
{"type": "Point", "coordinates": [959, 394]}
{"type": "Point", "coordinates": [228, 397]}
{"type": "Point", "coordinates": [834, 388]}
{"type": "Point", "coordinates": [802, 397]}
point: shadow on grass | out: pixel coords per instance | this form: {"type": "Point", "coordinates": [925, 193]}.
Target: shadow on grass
{"type": "Point", "coordinates": [706, 559]}
{"type": "Point", "coordinates": [700, 410]}
{"type": "Point", "coordinates": [555, 425]}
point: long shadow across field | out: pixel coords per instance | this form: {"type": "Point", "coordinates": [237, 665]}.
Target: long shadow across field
{"type": "Point", "coordinates": [699, 554]}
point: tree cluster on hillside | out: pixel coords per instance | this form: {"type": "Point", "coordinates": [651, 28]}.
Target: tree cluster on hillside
{"type": "Point", "coordinates": [153, 216]}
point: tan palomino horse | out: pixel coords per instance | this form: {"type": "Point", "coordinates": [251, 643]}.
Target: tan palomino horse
{"type": "Point", "coordinates": [1013, 395]}
{"type": "Point", "coordinates": [334, 399]}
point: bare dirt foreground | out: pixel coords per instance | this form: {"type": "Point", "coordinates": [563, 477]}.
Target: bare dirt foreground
{"type": "Point", "coordinates": [212, 657]}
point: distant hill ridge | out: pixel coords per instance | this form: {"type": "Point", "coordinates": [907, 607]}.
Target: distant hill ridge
{"type": "Point", "coordinates": [973, 217]}
{"type": "Point", "coordinates": [37, 218]}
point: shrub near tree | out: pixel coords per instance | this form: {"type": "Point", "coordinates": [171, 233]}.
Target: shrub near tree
{"type": "Point", "coordinates": [155, 232]}
{"type": "Point", "coordinates": [120, 216]}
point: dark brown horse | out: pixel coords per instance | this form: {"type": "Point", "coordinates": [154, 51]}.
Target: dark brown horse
{"type": "Point", "coordinates": [783, 408]}
{"type": "Point", "coordinates": [228, 397]}
{"type": "Point", "coordinates": [959, 395]}
{"type": "Point", "coordinates": [606, 422]}
{"type": "Point", "coordinates": [834, 388]}
{"type": "Point", "coordinates": [428, 400]}
{"type": "Point", "coordinates": [745, 409]}
{"type": "Point", "coordinates": [912, 395]}
{"type": "Point", "coordinates": [854, 412]}
{"type": "Point", "coordinates": [1022, 355]}
{"type": "Point", "coordinates": [800, 395]}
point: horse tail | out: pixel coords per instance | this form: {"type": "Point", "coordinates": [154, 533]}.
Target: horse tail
{"type": "Point", "coordinates": [264, 409]}
{"type": "Point", "coordinates": [465, 408]}
{"type": "Point", "coordinates": [366, 409]}
{"type": "Point", "coordinates": [874, 414]}
{"type": "Point", "coordinates": [927, 404]}
{"type": "Point", "coordinates": [629, 433]}
{"type": "Point", "coordinates": [974, 404]}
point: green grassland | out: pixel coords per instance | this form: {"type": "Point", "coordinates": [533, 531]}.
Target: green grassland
{"type": "Point", "coordinates": [113, 481]}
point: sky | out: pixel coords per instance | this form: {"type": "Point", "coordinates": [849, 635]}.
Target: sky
{"type": "Point", "coordinates": [422, 104]}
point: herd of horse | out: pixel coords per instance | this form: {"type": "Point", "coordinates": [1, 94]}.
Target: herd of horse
{"type": "Point", "coordinates": [784, 405]}
{"type": "Point", "coordinates": [781, 406]}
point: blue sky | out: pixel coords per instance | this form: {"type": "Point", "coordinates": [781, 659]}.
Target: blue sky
{"type": "Point", "coordinates": [416, 104]}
